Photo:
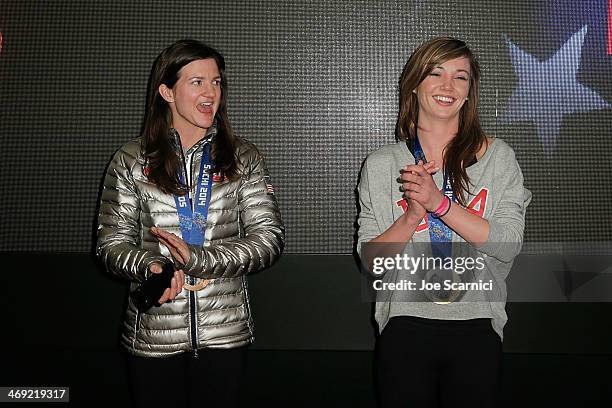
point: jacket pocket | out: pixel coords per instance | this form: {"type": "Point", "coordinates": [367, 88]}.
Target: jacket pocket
{"type": "Point", "coordinates": [247, 306]}
{"type": "Point", "coordinates": [138, 323]}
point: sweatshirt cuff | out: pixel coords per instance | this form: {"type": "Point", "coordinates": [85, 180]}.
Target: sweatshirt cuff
{"type": "Point", "coordinates": [497, 245]}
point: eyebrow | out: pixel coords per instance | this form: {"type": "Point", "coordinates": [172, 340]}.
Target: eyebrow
{"type": "Point", "coordinates": [201, 77]}
{"type": "Point", "coordinates": [459, 70]}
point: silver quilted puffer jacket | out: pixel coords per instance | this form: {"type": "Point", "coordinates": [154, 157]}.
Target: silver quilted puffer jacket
{"type": "Point", "coordinates": [244, 234]}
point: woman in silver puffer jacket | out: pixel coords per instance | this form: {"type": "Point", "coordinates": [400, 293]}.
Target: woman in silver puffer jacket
{"type": "Point", "coordinates": [188, 166]}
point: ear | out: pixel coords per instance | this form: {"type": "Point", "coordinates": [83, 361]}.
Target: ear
{"type": "Point", "coordinates": [166, 93]}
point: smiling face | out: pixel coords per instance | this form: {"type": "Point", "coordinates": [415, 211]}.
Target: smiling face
{"type": "Point", "coordinates": [444, 91]}
{"type": "Point", "coordinates": [195, 97]}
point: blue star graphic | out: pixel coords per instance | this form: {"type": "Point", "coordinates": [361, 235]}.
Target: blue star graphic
{"type": "Point", "coordinates": [549, 90]}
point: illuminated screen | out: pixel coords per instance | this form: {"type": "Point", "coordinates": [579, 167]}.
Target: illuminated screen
{"type": "Point", "coordinates": [314, 85]}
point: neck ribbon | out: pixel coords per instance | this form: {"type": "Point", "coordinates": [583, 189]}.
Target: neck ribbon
{"type": "Point", "coordinates": [193, 211]}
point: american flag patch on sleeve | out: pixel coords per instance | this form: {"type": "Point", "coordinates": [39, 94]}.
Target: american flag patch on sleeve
{"type": "Point", "coordinates": [269, 187]}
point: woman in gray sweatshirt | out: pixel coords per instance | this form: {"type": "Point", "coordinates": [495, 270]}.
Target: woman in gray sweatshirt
{"type": "Point", "coordinates": [443, 189]}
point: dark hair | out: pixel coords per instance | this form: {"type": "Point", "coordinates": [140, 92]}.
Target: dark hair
{"type": "Point", "coordinates": [162, 161]}
{"type": "Point", "coordinates": [470, 138]}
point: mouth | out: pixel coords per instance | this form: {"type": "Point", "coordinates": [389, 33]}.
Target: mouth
{"type": "Point", "coordinates": [444, 100]}
{"type": "Point", "coordinates": [205, 107]}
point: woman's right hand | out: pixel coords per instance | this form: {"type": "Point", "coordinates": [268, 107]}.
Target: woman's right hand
{"type": "Point", "coordinates": [415, 209]}
{"type": "Point", "coordinates": [176, 284]}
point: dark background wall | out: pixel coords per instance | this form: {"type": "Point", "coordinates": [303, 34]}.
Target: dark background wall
{"type": "Point", "coordinates": [314, 85]}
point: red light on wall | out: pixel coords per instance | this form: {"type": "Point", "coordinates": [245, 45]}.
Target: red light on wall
{"type": "Point", "coordinates": [609, 27]}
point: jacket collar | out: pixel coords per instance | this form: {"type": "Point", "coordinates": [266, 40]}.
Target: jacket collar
{"type": "Point", "coordinates": [210, 134]}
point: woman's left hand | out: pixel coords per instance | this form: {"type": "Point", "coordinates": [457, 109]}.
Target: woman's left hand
{"type": "Point", "coordinates": [177, 247]}
{"type": "Point", "coordinates": [419, 185]}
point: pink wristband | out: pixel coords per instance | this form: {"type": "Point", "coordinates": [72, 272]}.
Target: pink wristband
{"type": "Point", "coordinates": [442, 208]}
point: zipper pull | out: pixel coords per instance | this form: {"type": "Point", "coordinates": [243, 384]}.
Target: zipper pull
{"type": "Point", "coordinates": [195, 353]}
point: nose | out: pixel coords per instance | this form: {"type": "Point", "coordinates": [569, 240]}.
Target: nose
{"type": "Point", "coordinates": [447, 82]}
{"type": "Point", "coordinates": [208, 89]}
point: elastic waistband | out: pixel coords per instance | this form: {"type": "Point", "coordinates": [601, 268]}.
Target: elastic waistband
{"type": "Point", "coordinates": [446, 325]}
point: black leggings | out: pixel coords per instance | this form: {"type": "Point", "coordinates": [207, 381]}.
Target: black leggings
{"type": "Point", "coordinates": [438, 363]}
{"type": "Point", "coordinates": [213, 379]}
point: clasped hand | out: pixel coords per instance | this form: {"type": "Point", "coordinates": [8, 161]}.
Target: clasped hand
{"type": "Point", "coordinates": [180, 253]}
{"type": "Point", "coordinates": [418, 185]}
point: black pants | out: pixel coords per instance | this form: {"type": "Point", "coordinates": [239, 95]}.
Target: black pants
{"type": "Point", "coordinates": [213, 379]}
{"type": "Point", "coordinates": [438, 363]}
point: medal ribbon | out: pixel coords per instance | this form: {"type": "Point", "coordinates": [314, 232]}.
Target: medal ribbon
{"type": "Point", "coordinates": [440, 235]}
{"type": "Point", "coordinates": [193, 211]}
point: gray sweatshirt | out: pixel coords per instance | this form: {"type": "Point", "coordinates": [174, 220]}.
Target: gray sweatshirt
{"type": "Point", "coordinates": [496, 194]}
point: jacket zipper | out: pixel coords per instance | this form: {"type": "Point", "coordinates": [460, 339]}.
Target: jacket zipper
{"type": "Point", "coordinates": [192, 280]}
{"type": "Point", "coordinates": [192, 318]}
